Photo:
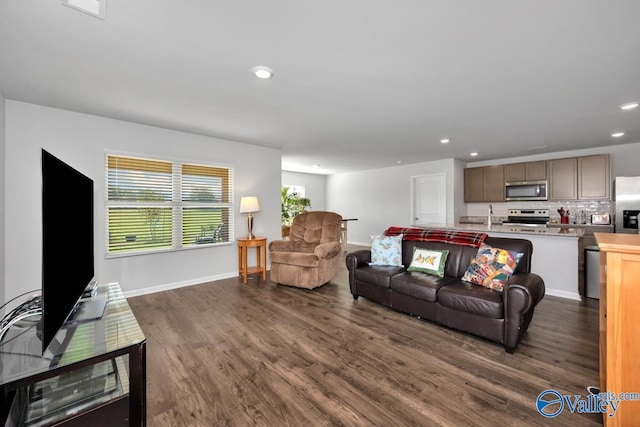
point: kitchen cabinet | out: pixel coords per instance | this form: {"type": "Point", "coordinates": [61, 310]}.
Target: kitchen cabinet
{"type": "Point", "coordinates": [620, 322]}
{"type": "Point", "coordinates": [594, 181]}
{"type": "Point", "coordinates": [473, 185]}
{"type": "Point", "coordinates": [528, 171]}
{"type": "Point", "coordinates": [493, 181]}
{"type": "Point", "coordinates": [484, 184]}
{"type": "Point", "coordinates": [580, 178]}
{"type": "Point", "coordinates": [563, 179]}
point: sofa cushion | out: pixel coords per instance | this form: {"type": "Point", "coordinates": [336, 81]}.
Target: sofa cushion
{"type": "Point", "coordinates": [458, 258]}
{"type": "Point", "coordinates": [492, 267]}
{"type": "Point", "coordinates": [419, 285]}
{"type": "Point", "coordinates": [379, 275]}
{"type": "Point", "coordinates": [430, 261]}
{"type": "Point", "coordinates": [470, 298]}
{"type": "Point", "coordinates": [386, 250]}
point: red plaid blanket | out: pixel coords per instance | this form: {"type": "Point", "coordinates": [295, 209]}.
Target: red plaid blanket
{"type": "Point", "coordinates": [464, 238]}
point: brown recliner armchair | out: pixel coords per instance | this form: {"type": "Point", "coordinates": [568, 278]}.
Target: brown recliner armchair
{"type": "Point", "coordinates": [312, 255]}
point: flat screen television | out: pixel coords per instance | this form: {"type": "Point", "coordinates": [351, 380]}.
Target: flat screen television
{"type": "Point", "coordinates": [67, 242]}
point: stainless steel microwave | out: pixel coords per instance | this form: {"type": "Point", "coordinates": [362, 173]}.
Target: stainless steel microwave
{"type": "Point", "coordinates": [526, 190]}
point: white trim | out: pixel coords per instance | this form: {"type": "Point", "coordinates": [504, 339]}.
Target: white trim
{"type": "Point", "coordinates": [412, 189]}
{"type": "Point", "coordinates": [563, 294]}
{"type": "Point", "coordinates": [182, 284]}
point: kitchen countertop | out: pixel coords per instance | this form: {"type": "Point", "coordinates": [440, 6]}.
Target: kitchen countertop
{"type": "Point", "coordinates": [586, 226]}
{"type": "Point", "coordinates": [510, 229]}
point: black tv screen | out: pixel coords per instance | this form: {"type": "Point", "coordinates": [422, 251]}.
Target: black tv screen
{"type": "Point", "coordinates": [67, 242]}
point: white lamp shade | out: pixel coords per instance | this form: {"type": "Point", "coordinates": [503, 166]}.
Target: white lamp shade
{"type": "Point", "coordinates": [249, 204]}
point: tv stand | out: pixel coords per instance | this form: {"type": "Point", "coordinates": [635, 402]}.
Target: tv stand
{"type": "Point", "coordinates": [90, 309]}
{"type": "Point", "coordinates": [93, 373]}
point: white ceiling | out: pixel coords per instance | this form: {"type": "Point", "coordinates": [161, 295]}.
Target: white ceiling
{"type": "Point", "coordinates": [358, 84]}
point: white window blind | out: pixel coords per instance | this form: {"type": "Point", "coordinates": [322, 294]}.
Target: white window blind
{"type": "Point", "coordinates": [162, 205]}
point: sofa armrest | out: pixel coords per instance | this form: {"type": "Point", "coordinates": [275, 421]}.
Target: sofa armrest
{"type": "Point", "coordinates": [522, 293]}
{"type": "Point", "coordinates": [357, 259]}
{"type": "Point", "coordinates": [281, 246]}
{"type": "Point", "coordinates": [354, 260]}
{"type": "Point", "coordinates": [327, 250]}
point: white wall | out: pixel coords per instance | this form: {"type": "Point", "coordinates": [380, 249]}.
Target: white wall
{"type": "Point", "coordinates": [81, 141]}
{"type": "Point", "coordinates": [2, 202]}
{"type": "Point", "coordinates": [380, 198]}
{"type": "Point", "coordinates": [315, 187]}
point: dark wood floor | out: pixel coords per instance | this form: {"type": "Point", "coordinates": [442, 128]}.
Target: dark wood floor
{"type": "Point", "coordinates": [224, 353]}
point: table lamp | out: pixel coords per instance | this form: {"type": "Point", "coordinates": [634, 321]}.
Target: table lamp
{"type": "Point", "coordinates": [249, 204]}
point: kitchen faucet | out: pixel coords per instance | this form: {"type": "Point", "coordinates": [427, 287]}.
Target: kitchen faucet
{"type": "Point", "coordinates": [489, 216]}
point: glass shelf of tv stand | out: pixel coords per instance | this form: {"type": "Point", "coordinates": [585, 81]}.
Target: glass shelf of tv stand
{"type": "Point", "coordinates": [77, 346]}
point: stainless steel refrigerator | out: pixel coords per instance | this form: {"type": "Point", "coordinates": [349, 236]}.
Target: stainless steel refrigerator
{"type": "Point", "coordinates": [627, 198]}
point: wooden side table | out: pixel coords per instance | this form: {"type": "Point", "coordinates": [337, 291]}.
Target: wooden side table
{"type": "Point", "coordinates": [260, 243]}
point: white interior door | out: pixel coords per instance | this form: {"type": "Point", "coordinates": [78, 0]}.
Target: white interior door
{"type": "Point", "coordinates": [429, 199]}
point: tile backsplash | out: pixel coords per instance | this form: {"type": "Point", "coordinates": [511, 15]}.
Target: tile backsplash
{"type": "Point", "coordinates": [589, 207]}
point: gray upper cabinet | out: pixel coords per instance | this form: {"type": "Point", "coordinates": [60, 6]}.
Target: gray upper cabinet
{"type": "Point", "coordinates": [529, 171]}
{"type": "Point", "coordinates": [594, 180]}
{"type": "Point", "coordinates": [573, 178]}
{"type": "Point", "coordinates": [493, 181]}
{"type": "Point", "coordinates": [473, 185]}
{"type": "Point", "coordinates": [581, 178]}
{"type": "Point", "coordinates": [563, 179]}
{"type": "Point", "coordinates": [484, 184]}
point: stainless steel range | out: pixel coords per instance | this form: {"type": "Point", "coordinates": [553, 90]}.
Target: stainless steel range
{"type": "Point", "coordinates": [528, 217]}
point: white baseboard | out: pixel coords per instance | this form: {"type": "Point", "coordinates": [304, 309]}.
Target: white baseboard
{"type": "Point", "coordinates": [176, 285]}
{"type": "Point", "coordinates": [563, 294]}
{"type": "Point", "coordinates": [368, 244]}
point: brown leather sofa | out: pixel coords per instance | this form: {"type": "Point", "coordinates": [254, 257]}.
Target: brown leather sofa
{"type": "Point", "coordinates": [311, 256]}
{"type": "Point", "coordinates": [498, 316]}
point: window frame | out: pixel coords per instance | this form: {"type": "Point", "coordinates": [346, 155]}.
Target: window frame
{"type": "Point", "coordinates": [177, 204]}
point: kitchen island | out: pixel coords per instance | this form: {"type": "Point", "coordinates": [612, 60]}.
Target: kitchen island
{"type": "Point", "coordinates": [555, 252]}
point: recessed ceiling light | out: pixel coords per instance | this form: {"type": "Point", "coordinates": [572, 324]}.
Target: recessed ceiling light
{"type": "Point", "coordinates": [262, 72]}
{"type": "Point", "coordinates": [629, 106]}
{"type": "Point", "coordinates": [475, 153]}
{"type": "Point", "coordinates": [539, 147]}
{"type": "Point", "coordinates": [445, 140]}
{"type": "Point", "coordinates": [399, 162]}
{"type": "Point", "coordinates": [95, 8]}
{"type": "Point", "coordinates": [617, 134]}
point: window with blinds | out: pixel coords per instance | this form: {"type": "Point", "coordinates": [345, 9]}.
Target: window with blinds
{"type": "Point", "coordinates": [162, 205]}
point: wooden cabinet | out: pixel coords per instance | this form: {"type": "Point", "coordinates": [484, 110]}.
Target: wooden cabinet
{"type": "Point", "coordinates": [620, 322]}
{"type": "Point", "coordinates": [473, 185]}
{"type": "Point", "coordinates": [594, 181]}
{"type": "Point", "coordinates": [493, 181]}
{"type": "Point", "coordinates": [573, 178]}
{"type": "Point", "coordinates": [484, 184]}
{"type": "Point", "coordinates": [529, 171]}
{"type": "Point", "coordinates": [581, 178]}
{"type": "Point", "coordinates": [563, 179]}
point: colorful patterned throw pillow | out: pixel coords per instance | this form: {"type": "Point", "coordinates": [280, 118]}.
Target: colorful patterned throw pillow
{"type": "Point", "coordinates": [386, 250]}
{"type": "Point", "coordinates": [492, 267]}
{"type": "Point", "coordinates": [429, 261]}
